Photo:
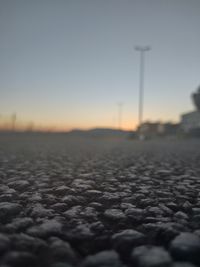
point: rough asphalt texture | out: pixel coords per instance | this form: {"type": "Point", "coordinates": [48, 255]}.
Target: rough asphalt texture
{"type": "Point", "coordinates": [99, 203]}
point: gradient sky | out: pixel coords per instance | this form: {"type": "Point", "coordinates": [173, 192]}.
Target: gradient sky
{"type": "Point", "coordinates": [67, 63]}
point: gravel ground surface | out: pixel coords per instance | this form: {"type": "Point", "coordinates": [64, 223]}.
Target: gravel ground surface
{"type": "Point", "coordinates": [99, 203]}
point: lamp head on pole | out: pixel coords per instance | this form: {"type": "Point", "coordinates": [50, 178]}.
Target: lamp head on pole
{"type": "Point", "coordinates": [142, 48]}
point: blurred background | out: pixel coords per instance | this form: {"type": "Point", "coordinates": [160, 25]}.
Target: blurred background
{"type": "Point", "coordinates": [77, 64]}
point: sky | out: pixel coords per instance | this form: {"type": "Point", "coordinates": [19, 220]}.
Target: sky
{"type": "Point", "coordinates": [69, 63]}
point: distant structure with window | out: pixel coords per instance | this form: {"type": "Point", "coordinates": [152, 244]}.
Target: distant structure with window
{"type": "Point", "coordinates": [158, 129]}
{"type": "Point", "coordinates": [190, 122]}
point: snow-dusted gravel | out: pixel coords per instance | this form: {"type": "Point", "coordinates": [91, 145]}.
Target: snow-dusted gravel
{"type": "Point", "coordinates": [98, 203]}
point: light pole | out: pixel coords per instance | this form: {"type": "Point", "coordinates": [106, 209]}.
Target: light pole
{"type": "Point", "coordinates": [120, 106]}
{"type": "Point", "coordinates": [13, 121]}
{"type": "Point", "coordinates": [141, 50]}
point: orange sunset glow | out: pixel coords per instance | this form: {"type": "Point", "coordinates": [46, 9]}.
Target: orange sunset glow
{"type": "Point", "coordinates": [64, 67]}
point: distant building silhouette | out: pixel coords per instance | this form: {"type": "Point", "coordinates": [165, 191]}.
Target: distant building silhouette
{"type": "Point", "coordinates": [169, 128]}
{"type": "Point", "coordinates": [196, 98]}
{"type": "Point", "coordinates": [149, 129]}
{"type": "Point", "coordinates": [156, 129]}
{"type": "Point", "coordinates": [190, 122]}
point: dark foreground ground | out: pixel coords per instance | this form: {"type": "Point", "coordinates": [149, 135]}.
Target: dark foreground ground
{"type": "Point", "coordinates": [99, 203]}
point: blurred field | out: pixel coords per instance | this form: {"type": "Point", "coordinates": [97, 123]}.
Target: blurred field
{"type": "Point", "coordinates": [36, 144]}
